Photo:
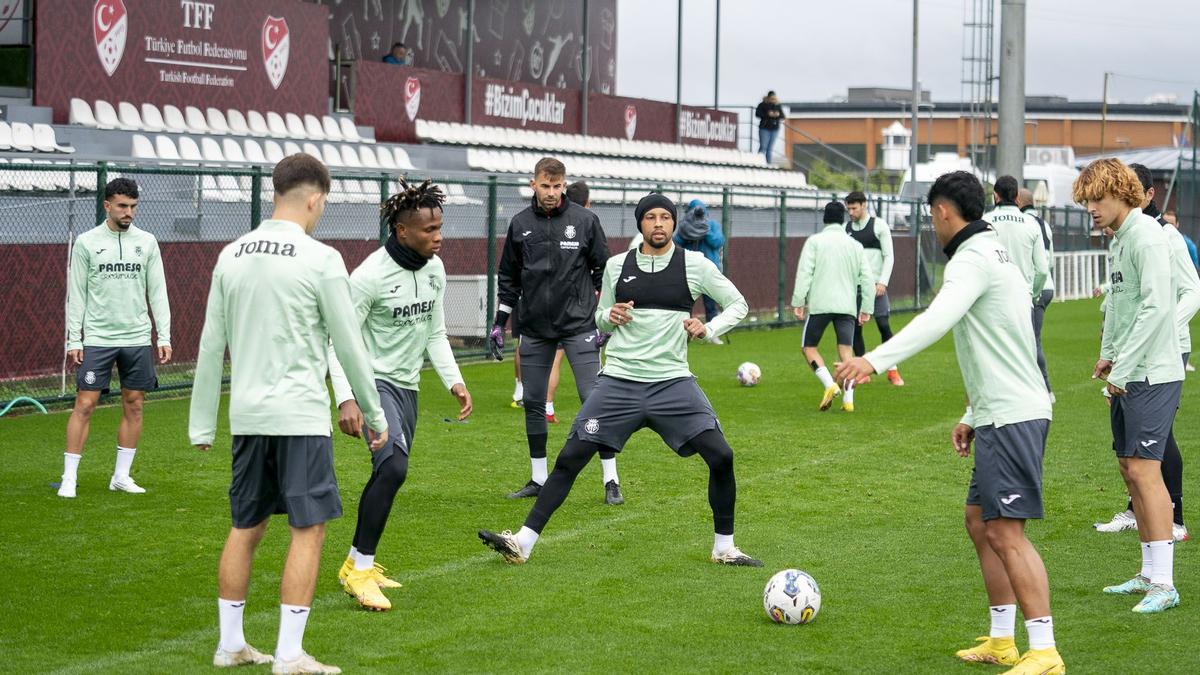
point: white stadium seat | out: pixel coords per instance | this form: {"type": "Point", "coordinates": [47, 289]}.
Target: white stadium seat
{"type": "Point", "coordinates": [350, 132]}
{"type": "Point", "coordinates": [312, 149]}
{"type": "Point", "coordinates": [232, 150]}
{"type": "Point", "coordinates": [5, 136]}
{"type": "Point", "coordinates": [143, 148]}
{"type": "Point", "coordinates": [330, 155]}
{"type": "Point", "coordinates": [22, 137]}
{"type": "Point", "coordinates": [173, 119]}
{"type": "Point", "coordinates": [402, 160]}
{"type": "Point", "coordinates": [292, 148]}
{"type": "Point", "coordinates": [127, 115]}
{"type": "Point", "coordinates": [152, 119]}
{"type": "Point", "coordinates": [164, 147]}
{"type": "Point", "coordinates": [386, 159]}
{"type": "Point", "coordinates": [276, 125]}
{"type": "Point", "coordinates": [295, 126]}
{"type": "Point", "coordinates": [254, 151]}
{"type": "Point", "coordinates": [188, 150]}
{"type": "Point", "coordinates": [216, 121]}
{"type": "Point", "coordinates": [237, 122]}
{"type": "Point", "coordinates": [211, 151]}
{"type": "Point", "coordinates": [258, 124]}
{"type": "Point", "coordinates": [81, 113]}
{"type": "Point", "coordinates": [332, 131]}
{"type": "Point", "coordinates": [106, 116]}
{"type": "Point", "coordinates": [45, 141]}
{"type": "Point", "coordinates": [313, 128]}
{"type": "Point", "coordinates": [195, 120]}
{"type": "Point", "coordinates": [367, 157]}
{"type": "Point", "coordinates": [274, 152]}
{"type": "Point", "coordinates": [350, 158]}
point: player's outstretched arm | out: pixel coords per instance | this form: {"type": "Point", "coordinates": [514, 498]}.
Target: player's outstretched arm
{"type": "Point", "coordinates": [210, 367]}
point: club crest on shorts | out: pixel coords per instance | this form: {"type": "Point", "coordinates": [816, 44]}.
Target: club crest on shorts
{"type": "Point", "coordinates": [569, 233]}
{"type": "Point", "coordinates": [90, 377]}
{"type": "Point", "coordinates": [276, 44]}
{"type": "Point", "coordinates": [110, 26]}
{"type": "Point", "coordinates": [412, 97]}
{"type": "Point", "coordinates": [592, 425]}
{"type": "Point", "coordinates": [630, 121]}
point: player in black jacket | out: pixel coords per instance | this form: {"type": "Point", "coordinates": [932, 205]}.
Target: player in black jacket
{"type": "Point", "coordinates": [553, 261]}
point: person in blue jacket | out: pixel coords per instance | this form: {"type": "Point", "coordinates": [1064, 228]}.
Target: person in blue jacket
{"type": "Point", "coordinates": [698, 232]}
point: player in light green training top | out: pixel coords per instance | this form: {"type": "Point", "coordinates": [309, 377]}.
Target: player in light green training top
{"type": "Point", "coordinates": [832, 279]}
{"type": "Point", "coordinates": [985, 301]}
{"type": "Point", "coordinates": [115, 266]}
{"type": "Point", "coordinates": [1140, 360]}
{"type": "Point", "coordinates": [399, 296]}
{"type": "Point", "coordinates": [278, 297]}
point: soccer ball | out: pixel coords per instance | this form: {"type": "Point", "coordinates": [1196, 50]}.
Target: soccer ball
{"type": "Point", "coordinates": [792, 596]}
{"type": "Point", "coordinates": [748, 374]}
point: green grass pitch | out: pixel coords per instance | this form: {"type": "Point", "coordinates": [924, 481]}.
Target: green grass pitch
{"type": "Point", "coordinates": [869, 503]}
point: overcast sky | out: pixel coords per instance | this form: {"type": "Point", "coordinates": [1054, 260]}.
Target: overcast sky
{"type": "Point", "coordinates": [811, 50]}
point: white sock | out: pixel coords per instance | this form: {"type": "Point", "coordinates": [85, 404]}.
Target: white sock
{"type": "Point", "coordinates": [824, 376]}
{"type": "Point", "coordinates": [1004, 621]}
{"type": "Point", "coordinates": [230, 614]}
{"type": "Point", "coordinates": [526, 538]}
{"type": "Point", "coordinates": [1041, 632]}
{"type": "Point", "coordinates": [518, 391]}
{"type": "Point", "coordinates": [549, 407]}
{"type": "Point", "coordinates": [722, 543]}
{"type": "Point", "coordinates": [1147, 560]}
{"type": "Point", "coordinates": [848, 392]}
{"type": "Point", "coordinates": [1162, 562]}
{"type": "Point", "coordinates": [609, 467]}
{"type": "Point", "coordinates": [362, 561]}
{"type": "Point", "coordinates": [539, 469]}
{"type": "Point", "coordinates": [352, 553]}
{"type": "Point", "coordinates": [292, 619]}
{"type": "Point", "coordinates": [70, 467]}
{"type": "Point", "coordinates": [893, 369]}
{"type": "Point", "coordinates": [124, 461]}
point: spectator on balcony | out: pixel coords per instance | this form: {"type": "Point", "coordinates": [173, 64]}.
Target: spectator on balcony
{"type": "Point", "coordinates": [399, 56]}
{"type": "Point", "coordinates": [699, 232]}
{"type": "Point", "coordinates": [769, 114]}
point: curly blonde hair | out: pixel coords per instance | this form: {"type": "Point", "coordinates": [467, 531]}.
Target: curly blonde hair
{"type": "Point", "coordinates": [1108, 178]}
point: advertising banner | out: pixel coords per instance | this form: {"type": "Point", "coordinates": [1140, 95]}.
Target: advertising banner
{"type": "Point", "coordinates": [392, 98]}
{"type": "Point", "coordinates": [244, 54]}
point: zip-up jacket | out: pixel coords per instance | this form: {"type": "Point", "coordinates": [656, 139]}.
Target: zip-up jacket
{"type": "Point", "coordinates": [553, 263]}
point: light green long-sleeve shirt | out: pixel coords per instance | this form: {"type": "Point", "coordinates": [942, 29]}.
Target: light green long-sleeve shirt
{"type": "Point", "coordinates": [653, 346]}
{"type": "Point", "coordinates": [277, 298]}
{"type": "Point", "coordinates": [402, 314]}
{"type": "Point", "coordinates": [983, 299]}
{"type": "Point", "coordinates": [1140, 335]}
{"type": "Point", "coordinates": [833, 274]}
{"type": "Point", "coordinates": [1022, 236]}
{"type": "Point", "coordinates": [881, 260]}
{"type": "Point", "coordinates": [1187, 286]}
{"type": "Point", "coordinates": [111, 276]}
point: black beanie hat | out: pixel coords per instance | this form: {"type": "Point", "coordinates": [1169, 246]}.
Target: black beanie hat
{"type": "Point", "coordinates": [835, 213]}
{"type": "Point", "coordinates": [654, 201]}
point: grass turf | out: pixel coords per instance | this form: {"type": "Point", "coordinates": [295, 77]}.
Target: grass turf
{"type": "Point", "coordinates": [869, 503]}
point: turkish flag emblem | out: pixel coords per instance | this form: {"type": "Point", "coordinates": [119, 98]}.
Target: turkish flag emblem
{"type": "Point", "coordinates": [110, 26]}
{"type": "Point", "coordinates": [412, 97]}
{"type": "Point", "coordinates": [275, 46]}
{"type": "Point", "coordinates": [630, 121]}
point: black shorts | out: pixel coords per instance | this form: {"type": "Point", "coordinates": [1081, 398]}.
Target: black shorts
{"type": "Point", "coordinates": [1007, 479]}
{"type": "Point", "coordinates": [283, 474]}
{"type": "Point", "coordinates": [135, 368]}
{"type": "Point", "coordinates": [815, 325]}
{"type": "Point", "coordinates": [674, 409]}
{"type": "Point", "coordinates": [400, 409]}
{"type": "Point", "coordinates": [1142, 418]}
{"type": "Point", "coordinates": [883, 306]}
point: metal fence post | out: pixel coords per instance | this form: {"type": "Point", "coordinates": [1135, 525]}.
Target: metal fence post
{"type": "Point", "coordinates": [255, 197]}
{"type": "Point", "coordinates": [384, 232]}
{"type": "Point", "coordinates": [492, 203]}
{"type": "Point", "coordinates": [916, 211]}
{"type": "Point", "coordinates": [726, 227]}
{"type": "Point", "coordinates": [782, 252]}
{"type": "Point", "coordinates": [101, 184]}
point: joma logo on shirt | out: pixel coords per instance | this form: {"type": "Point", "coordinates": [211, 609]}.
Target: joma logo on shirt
{"type": "Point", "coordinates": [415, 308]}
{"type": "Point", "coordinates": [266, 246]}
{"type": "Point", "coordinates": [119, 267]}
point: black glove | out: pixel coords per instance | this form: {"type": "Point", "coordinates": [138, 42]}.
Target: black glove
{"type": "Point", "coordinates": [495, 342]}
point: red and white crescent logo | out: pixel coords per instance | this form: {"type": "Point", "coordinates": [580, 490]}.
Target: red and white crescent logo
{"type": "Point", "coordinates": [630, 121]}
{"type": "Point", "coordinates": [110, 26]}
{"type": "Point", "coordinates": [276, 42]}
{"type": "Point", "coordinates": [412, 97]}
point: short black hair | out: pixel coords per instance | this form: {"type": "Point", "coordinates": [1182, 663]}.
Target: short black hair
{"type": "Point", "coordinates": [1144, 176]}
{"type": "Point", "coordinates": [299, 169]}
{"type": "Point", "coordinates": [1006, 188]}
{"type": "Point", "coordinates": [411, 199]}
{"type": "Point", "coordinates": [120, 186]}
{"type": "Point", "coordinates": [856, 197]}
{"type": "Point", "coordinates": [835, 213]}
{"type": "Point", "coordinates": [963, 190]}
{"type": "Point", "coordinates": [400, 45]}
{"type": "Point", "coordinates": [578, 193]}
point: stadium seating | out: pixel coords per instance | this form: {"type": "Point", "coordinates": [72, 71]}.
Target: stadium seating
{"type": "Point", "coordinates": [216, 121]}
{"type": "Point", "coordinates": [173, 119]}
{"type": "Point", "coordinates": [195, 120]}
{"type": "Point", "coordinates": [106, 116]}
{"type": "Point", "coordinates": [22, 137]}
{"type": "Point", "coordinates": [128, 116]}
{"type": "Point", "coordinates": [44, 140]}
{"type": "Point", "coordinates": [5, 136]}
{"type": "Point", "coordinates": [152, 119]}
{"type": "Point", "coordinates": [81, 113]}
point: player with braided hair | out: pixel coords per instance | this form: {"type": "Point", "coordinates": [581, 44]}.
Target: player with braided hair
{"type": "Point", "coordinates": [398, 294]}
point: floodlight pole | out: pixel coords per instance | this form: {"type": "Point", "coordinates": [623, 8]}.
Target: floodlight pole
{"type": "Point", "coordinates": [679, 71]}
{"type": "Point", "coordinates": [916, 98]}
{"type": "Point", "coordinates": [586, 86]}
{"type": "Point", "coordinates": [469, 74]}
{"type": "Point", "coordinates": [717, 61]}
{"type": "Point", "coordinates": [1010, 151]}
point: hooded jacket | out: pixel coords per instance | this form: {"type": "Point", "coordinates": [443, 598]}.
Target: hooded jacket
{"type": "Point", "coordinates": [700, 233]}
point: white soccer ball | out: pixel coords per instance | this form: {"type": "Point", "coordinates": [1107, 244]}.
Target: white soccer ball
{"type": "Point", "coordinates": [792, 597]}
{"type": "Point", "coordinates": [748, 374]}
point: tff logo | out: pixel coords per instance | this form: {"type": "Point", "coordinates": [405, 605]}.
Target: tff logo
{"type": "Point", "coordinates": [276, 42]}
{"type": "Point", "coordinates": [110, 26]}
